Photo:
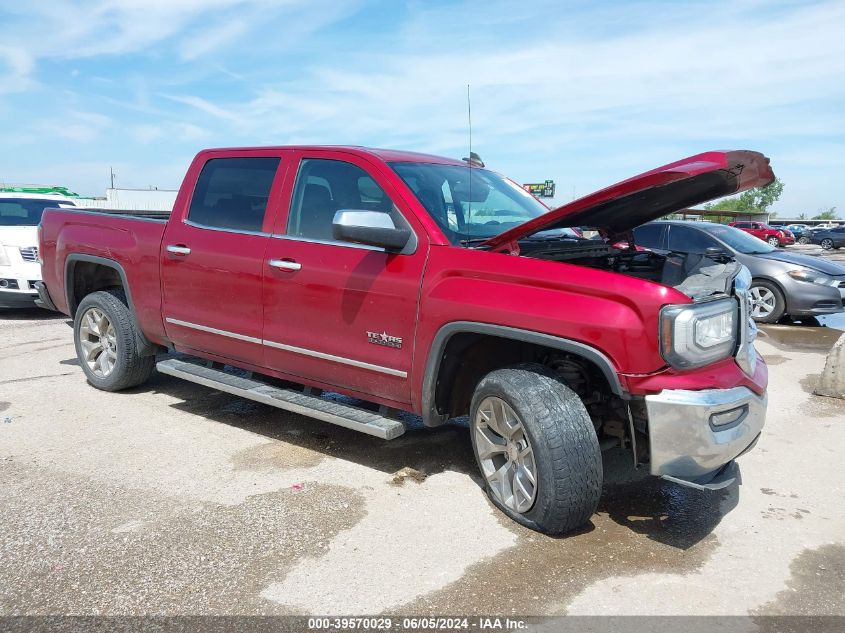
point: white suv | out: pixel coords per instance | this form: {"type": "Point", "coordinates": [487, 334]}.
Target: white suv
{"type": "Point", "coordinates": [20, 214]}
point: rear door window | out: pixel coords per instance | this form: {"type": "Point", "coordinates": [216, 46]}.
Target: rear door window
{"type": "Point", "coordinates": [686, 239]}
{"type": "Point", "coordinates": [232, 193]}
{"type": "Point", "coordinates": [651, 236]}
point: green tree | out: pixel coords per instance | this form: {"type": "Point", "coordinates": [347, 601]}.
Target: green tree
{"type": "Point", "coordinates": [827, 214]}
{"type": "Point", "coordinates": [803, 216]}
{"type": "Point", "coordinates": [756, 200]}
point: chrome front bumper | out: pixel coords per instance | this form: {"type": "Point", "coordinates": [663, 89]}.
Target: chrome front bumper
{"type": "Point", "coordinates": [689, 446]}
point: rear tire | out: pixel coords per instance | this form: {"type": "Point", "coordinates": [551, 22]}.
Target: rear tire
{"type": "Point", "coordinates": [105, 335]}
{"type": "Point", "coordinates": [525, 416]}
{"type": "Point", "coordinates": [767, 301]}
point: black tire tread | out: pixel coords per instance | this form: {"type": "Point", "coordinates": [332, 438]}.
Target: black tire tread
{"type": "Point", "coordinates": [567, 445]}
{"type": "Point", "coordinates": [131, 369]}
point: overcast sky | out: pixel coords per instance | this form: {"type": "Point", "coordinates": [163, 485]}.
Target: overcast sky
{"type": "Point", "coordinates": [582, 93]}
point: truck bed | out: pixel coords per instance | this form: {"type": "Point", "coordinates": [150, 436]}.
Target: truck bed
{"type": "Point", "coordinates": [72, 239]}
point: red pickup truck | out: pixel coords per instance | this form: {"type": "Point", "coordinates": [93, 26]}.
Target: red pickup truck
{"type": "Point", "coordinates": [761, 230]}
{"type": "Point", "coordinates": [415, 284]}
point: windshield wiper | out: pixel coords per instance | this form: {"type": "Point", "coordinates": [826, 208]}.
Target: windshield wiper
{"type": "Point", "coordinates": [474, 240]}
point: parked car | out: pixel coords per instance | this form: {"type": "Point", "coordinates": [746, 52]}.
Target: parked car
{"type": "Point", "coordinates": [422, 284]}
{"type": "Point", "coordinates": [829, 238]}
{"type": "Point", "coordinates": [782, 283]}
{"type": "Point", "coordinates": [774, 237]}
{"type": "Point", "coordinates": [20, 214]}
{"type": "Point", "coordinates": [798, 231]}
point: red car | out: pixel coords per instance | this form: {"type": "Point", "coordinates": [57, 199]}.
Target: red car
{"type": "Point", "coordinates": [418, 284]}
{"type": "Point", "coordinates": [761, 230]}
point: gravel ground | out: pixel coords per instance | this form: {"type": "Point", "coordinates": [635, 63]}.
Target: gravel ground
{"type": "Point", "coordinates": [177, 499]}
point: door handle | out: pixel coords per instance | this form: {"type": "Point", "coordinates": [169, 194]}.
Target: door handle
{"type": "Point", "coordinates": [284, 264]}
{"type": "Point", "coordinates": [176, 249]}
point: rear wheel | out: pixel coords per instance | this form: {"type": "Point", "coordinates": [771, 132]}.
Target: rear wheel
{"type": "Point", "coordinates": [827, 244]}
{"type": "Point", "coordinates": [773, 241]}
{"type": "Point", "coordinates": [767, 301]}
{"type": "Point", "coordinates": [105, 335]}
{"type": "Point", "coordinates": [536, 448]}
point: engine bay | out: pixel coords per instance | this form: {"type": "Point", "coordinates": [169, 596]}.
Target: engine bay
{"type": "Point", "coordinates": [697, 275]}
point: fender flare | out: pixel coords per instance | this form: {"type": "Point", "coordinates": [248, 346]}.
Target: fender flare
{"type": "Point", "coordinates": [145, 346]}
{"type": "Point", "coordinates": [432, 417]}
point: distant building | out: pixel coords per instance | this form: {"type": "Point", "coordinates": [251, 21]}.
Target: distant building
{"type": "Point", "coordinates": [133, 199]}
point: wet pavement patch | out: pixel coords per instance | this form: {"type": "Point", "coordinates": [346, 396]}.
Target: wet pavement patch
{"type": "Point", "coordinates": [275, 456]}
{"type": "Point", "coordinates": [816, 586]}
{"type": "Point", "coordinates": [820, 406]}
{"type": "Point", "coordinates": [75, 545]}
{"type": "Point", "coordinates": [775, 359]}
{"type": "Point", "coordinates": [799, 337]}
{"type": "Point", "coordinates": [642, 525]}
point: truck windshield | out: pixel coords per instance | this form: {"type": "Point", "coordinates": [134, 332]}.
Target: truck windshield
{"type": "Point", "coordinates": [470, 203]}
{"type": "Point", "coordinates": [24, 211]}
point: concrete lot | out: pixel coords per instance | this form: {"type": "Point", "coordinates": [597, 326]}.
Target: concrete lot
{"type": "Point", "coordinates": [177, 499]}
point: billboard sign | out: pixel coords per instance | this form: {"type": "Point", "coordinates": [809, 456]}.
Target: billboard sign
{"type": "Point", "coordinates": [541, 189]}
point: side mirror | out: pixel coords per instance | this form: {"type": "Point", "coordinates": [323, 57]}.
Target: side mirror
{"type": "Point", "coordinates": [372, 228]}
{"type": "Point", "coordinates": [716, 253]}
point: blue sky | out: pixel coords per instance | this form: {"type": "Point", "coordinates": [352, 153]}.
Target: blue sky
{"type": "Point", "coordinates": [583, 93]}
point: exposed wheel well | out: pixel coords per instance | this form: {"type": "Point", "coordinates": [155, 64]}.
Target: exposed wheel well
{"type": "Point", "coordinates": [87, 277]}
{"type": "Point", "coordinates": [85, 274]}
{"type": "Point", "coordinates": [469, 356]}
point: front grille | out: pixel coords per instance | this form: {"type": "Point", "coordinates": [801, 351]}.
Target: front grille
{"type": "Point", "coordinates": [29, 253]}
{"type": "Point", "coordinates": [32, 285]}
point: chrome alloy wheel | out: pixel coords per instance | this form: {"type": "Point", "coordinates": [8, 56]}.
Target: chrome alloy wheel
{"type": "Point", "coordinates": [505, 454]}
{"type": "Point", "coordinates": [98, 342]}
{"type": "Point", "coordinates": [763, 301]}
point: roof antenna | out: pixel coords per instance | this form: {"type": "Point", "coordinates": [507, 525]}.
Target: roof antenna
{"type": "Point", "coordinates": [474, 159]}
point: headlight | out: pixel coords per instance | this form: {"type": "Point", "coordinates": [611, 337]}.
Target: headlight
{"type": "Point", "coordinates": [4, 258]}
{"type": "Point", "coordinates": [812, 276]}
{"type": "Point", "coordinates": [696, 335]}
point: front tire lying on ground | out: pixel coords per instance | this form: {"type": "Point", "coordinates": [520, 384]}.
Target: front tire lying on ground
{"type": "Point", "coordinates": [537, 449]}
{"type": "Point", "coordinates": [105, 335]}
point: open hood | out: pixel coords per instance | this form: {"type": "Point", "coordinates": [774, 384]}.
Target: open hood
{"type": "Point", "coordinates": [628, 204]}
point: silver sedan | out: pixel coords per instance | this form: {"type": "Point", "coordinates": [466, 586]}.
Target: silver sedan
{"type": "Point", "coordinates": [783, 283]}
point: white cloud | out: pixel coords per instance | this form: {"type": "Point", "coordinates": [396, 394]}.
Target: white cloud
{"type": "Point", "coordinates": [211, 40]}
{"type": "Point", "coordinates": [15, 68]}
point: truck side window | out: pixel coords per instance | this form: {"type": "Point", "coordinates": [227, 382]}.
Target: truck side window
{"type": "Point", "coordinates": [231, 193]}
{"type": "Point", "coordinates": [323, 187]}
